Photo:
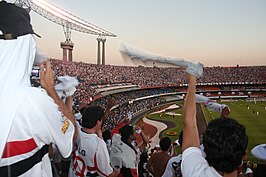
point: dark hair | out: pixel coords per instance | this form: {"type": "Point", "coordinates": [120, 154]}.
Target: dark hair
{"type": "Point", "coordinates": [225, 143]}
{"type": "Point", "coordinates": [91, 115]}
{"type": "Point", "coordinates": [165, 143]}
{"type": "Point", "coordinates": [180, 138]}
{"type": "Point", "coordinates": [126, 131]}
{"type": "Point", "coordinates": [106, 135]}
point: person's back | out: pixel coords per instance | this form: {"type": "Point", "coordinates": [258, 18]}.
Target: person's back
{"type": "Point", "coordinates": [91, 157]}
{"type": "Point", "coordinates": [30, 117]}
{"type": "Point", "coordinates": [123, 153]}
{"type": "Point", "coordinates": [173, 168]}
{"type": "Point", "coordinates": [31, 133]}
{"type": "Point", "coordinates": [90, 148]}
{"type": "Point", "coordinates": [158, 160]}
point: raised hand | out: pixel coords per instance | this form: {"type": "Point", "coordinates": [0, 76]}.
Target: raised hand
{"type": "Point", "coordinates": [47, 76]}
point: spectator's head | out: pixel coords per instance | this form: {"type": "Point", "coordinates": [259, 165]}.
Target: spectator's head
{"type": "Point", "coordinates": [127, 133]}
{"type": "Point", "coordinates": [92, 116]}
{"type": "Point", "coordinates": [225, 111]}
{"type": "Point", "coordinates": [225, 143]}
{"type": "Point", "coordinates": [165, 143]}
{"type": "Point", "coordinates": [18, 46]}
{"type": "Point", "coordinates": [106, 135]}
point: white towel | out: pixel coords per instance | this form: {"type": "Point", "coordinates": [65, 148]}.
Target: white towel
{"type": "Point", "coordinates": [67, 86]}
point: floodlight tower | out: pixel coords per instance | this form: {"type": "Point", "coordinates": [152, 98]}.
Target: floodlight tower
{"type": "Point", "coordinates": [67, 20]}
{"type": "Point", "coordinates": [68, 45]}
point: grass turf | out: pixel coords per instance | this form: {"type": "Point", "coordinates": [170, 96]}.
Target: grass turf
{"type": "Point", "coordinates": [255, 124]}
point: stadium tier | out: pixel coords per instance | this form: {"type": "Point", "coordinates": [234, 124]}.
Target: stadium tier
{"type": "Point", "coordinates": [141, 88]}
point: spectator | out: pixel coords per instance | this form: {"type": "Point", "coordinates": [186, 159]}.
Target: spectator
{"type": "Point", "coordinates": [158, 160]}
{"type": "Point", "coordinates": [31, 118]}
{"type": "Point", "coordinates": [173, 168]}
{"type": "Point", "coordinates": [91, 157]}
{"type": "Point", "coordinates": [142, 166]}
{"type": "Point", "coordinates": [123, 150]}
{"type": "Point", "coordinates": [225, 143]}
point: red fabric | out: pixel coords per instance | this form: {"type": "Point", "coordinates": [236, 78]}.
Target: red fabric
{"type": "Point", "coordinates": [96, 166]}
{"type": "Point", "coordinates": [134, 172]}
{"type": "Point", "coordinates": [14, 148]}
{"type": "Point", "coordinates": [116, 129]}
{"type": "Point", "coordinates": [75, 164]}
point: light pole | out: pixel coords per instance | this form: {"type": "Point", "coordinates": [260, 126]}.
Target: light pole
{"type": "Point", "coordinates": [103, 51]}
{"type": "Point", "coordinates": [99, 39]}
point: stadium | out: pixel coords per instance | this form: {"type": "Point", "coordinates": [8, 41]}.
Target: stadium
{"type": "Point", "coordinates": [160, 116]}
{"type": "Point", "coordinates": [143, 90]}
{"type": "Point", "coordinates": [149, 93]}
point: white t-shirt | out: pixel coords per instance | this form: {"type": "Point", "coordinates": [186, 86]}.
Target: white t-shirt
{"type": "Point", "coordinates": [38, 122]}
{"type": "Point", "coordinates": [173, 167]}
{"type": "Point", "coordinates": [91, 156]}
{"type": "Point", "coordinates": [194, 165]}
{"type": "Point", "coordinates": [124, 152]}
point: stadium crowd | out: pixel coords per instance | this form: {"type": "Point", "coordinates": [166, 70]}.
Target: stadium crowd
{"type": "Point", "coordinates": [41, 135]}
{"type": "Point", "coordinates": [126, 101]}
{"type": "Point", "coordinates": [92, 75]}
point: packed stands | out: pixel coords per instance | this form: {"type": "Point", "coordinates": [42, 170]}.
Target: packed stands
{"type": "Point", "coordinates": [127, 84]}
{"type": "Point", "coordinates": [92, 75]}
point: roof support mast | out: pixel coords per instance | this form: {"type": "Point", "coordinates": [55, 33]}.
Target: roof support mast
{"type": "Point", "coordinates": [68, 45]}
{"type": "Point", "coordinates": [68, 21]}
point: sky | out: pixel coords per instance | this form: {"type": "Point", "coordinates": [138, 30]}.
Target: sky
{"type": "Point", "coordinates": [214, 32]}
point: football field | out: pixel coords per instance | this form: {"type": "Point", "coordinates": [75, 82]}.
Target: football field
{"type": "Point", "coordinates": [251, 114]}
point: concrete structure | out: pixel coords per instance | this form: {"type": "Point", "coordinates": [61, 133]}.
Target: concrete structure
{"type": "Point", "coordinates": [67, 50]}
{"type": "Point", "coordinates": [99, 40]}
{"type": "Point", "coordinates": [103, 51]}
{"type": "Point", "coordinates": [68, 22]}
{"type": "Point", "coordinates": [99, 50]}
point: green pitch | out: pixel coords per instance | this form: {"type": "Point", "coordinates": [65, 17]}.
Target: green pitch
{"type": "Point", "coordinates": [244, 112]}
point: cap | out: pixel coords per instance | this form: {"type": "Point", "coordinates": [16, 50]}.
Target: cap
{"type": "Point", "coordinates": [259, 152]}
{"type": "Point", "coordinates": [14, 21]}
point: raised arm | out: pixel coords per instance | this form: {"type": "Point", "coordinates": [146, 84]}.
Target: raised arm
{"type": "Point", "coordinates": [47, 82]}
{"type": "Point", "coordinates": [110, 104]}
{"type": "Point", "coordinates": [144, 138]}
{"type": "Point", "coordinates": [190, 130]}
